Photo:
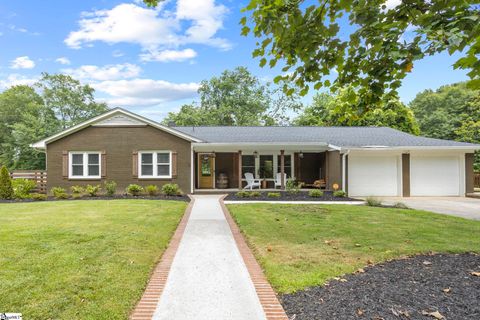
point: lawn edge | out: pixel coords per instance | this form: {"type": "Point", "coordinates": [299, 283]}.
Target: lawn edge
{"type": "Point", "coordinates": [147, 304]}
{"type": "Point", "coordinates": [267, 296]}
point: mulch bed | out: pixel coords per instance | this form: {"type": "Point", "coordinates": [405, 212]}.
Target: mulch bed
{"type": "Point", "coordinates": [423, 287]}
{"type": "Point", "coordinates": [286, 196]}
{"type": "Point", "coordinates": [102, 197]}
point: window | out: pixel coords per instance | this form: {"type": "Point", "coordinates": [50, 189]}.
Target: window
{"type": "Point", "coordinates": [266, 166]}
{"type": "Point", "coordinates": [248, 164]}
{"type": "Point", "coordinates": [155, 164]}
{"type": "Point", "coordinates": [287, 164]}
{"type": "Point", "coordinates": [84, 165]}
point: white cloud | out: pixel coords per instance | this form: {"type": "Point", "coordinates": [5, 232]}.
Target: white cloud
{"type": "Point", "coordinates": [155, 30]}
{"type": "Point", "coordinates": [144, 92]}
{"type": "Point", "coordinates": [15, 79]}
{"type": "Point", "coordinates": [169, 55]}
{"type": "Point", "coordinates": [63, 60]}
{"type": "Point", "coordinates": [23, 62]}
{"type": "Point", "coordinates": [107, 72]}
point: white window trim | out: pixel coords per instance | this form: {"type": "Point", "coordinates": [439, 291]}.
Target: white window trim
{"type": "Point", "coordinates": [155, 164]}
{"type": "Point", "coordinates": [85, 165]}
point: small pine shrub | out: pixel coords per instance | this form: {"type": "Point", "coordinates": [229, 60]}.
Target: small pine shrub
{"type": "Point", "coordinates": [134, 189]}
{"type": "Point", "coordinates": [22, 188]}
{"type": "Point", "coordinates": [77, 190]}
{"type": "Point", "coordinates": [315, 193]}
{"type": "Point", "coordinates": [339, 194]}
{"type": "Point", "coordinates": [171, 189]}
{"type": "Point", "coordinates": [92, 191]}
{"type": "Point", "coordinates": [110, 188]}
{"type": "Point", "coordinates": [273, 195]}
{"type": "Point", "coordinates": [38, 196]}
{"type": "Point", "coordinates": [59, 193]}
{"type": "Point", "coordinates": [152, 190]}
{"type": "Point", "coordinates": [6, 188]}
{"type": "Point", "coordinates": [373, 202]}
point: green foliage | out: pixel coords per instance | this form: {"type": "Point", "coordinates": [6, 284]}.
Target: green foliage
{"type": "Point", "coordinates": [152, 190]}
{"type": "Point", "coordinates": [59, 193]}
{"type": "Point", "coordinates": [22, 188]}
{"type": "Point", "coordinates": [38, 196]}
{"type": "Point", "coordinates": [342, 109]}
{"type": "Point", "coordinates": [400, 205]}
{"type": "Point", "coordinates": [171, 189]}
{"type": "Point", "coordinates": [248, 194]}
{"type": "Point", "coordinates": [255, 194]}
{"type": "Point", "coordinates": [92, 190]}
{"type": "Point", "coordinates": [77, 190]}
{"type": "Point", "coordinates": [339, 194]}
{"type": "Point", "coordinates": [134, 189]}
{"type": "Point", "coordinates": [6, 188]}
{"type": "Point", "coordinates": [110, 188]}
{"type": "Point", "coordinates": [236, 98]}
{"type": "Point", "coordinates": [374, 53]}
{"type": "Point", "coordinates": [292, 186]}
{"type": "Point", "coordinates": [373, 202]}
{"type": "Point", "coordinates": [315, 193]}
{"type": "Point", "coordinates": [273, 195]}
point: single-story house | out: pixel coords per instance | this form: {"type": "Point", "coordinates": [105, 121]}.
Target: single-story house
{"type": "Point", "coordinates": [364, 161]}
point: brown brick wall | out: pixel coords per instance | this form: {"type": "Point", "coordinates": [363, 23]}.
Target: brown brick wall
{"type": "Point", "coordinates": [469, 174]}
{"type": "Point", "coordinates": [119, 144]}
{"type": "Point", "coordinates": [334, 169]}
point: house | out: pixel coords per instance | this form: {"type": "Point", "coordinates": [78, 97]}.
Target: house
{"type": "Point", "coordinates": [364, 161]}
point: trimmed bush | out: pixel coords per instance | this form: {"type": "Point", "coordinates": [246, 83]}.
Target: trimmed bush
{"type": "Point", "coordinates": [243, 194]}
{"type": "Point", "coordinates": [171, 189]}
{"type": "Point", "coordinates": [92, 191]}
{"type": "Point", "coordinates": [77, 189]}
{"type": "Point", "coordinates": [292, 186]}
{"type": "Point", "coordinates": [38, 196]}
{"type": "Point", "coordinates": [152, 190]}
{"type": "Point", "coordinates": [315, 193]}
{"type": "Point", "coordinates": [110, 188]}
{"type": "Point", "coordinates": [255, 194]}
{"type": "Point", "coordinates": [22, 188]}
{"type": "Point", "coordinates": [59, 193]}
{"type": "Point", "coordinates": [273, 195]}
{"type": "Point", "coordinates": [373, 202]}
{"type": "Point", "coordinates": [134, 189]}
{"type": "Point", "coordinates": [6, 188]}
{"type": "Point", "coordinates": [339, 194]}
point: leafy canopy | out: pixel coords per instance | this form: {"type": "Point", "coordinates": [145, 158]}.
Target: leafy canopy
{"type": "Point", "coordinates": [236, 98]}
{"type": "Point", "coordinates": [373, 52]}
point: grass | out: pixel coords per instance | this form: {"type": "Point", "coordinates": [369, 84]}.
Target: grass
{"type": "Point", "coordinates": [305, 245]}
{"type": "Point", "coordinates": [81, 259]}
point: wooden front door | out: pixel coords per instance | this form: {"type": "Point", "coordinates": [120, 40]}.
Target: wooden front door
{"type": "Point", "coordinates": [206, 171]}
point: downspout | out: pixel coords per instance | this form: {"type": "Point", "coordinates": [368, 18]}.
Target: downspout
{"type": "Point", "coordinates": [344, 169]}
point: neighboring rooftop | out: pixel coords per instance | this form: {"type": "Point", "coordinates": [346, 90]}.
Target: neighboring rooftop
{"type": "Point", "coordinates": [338, 136]}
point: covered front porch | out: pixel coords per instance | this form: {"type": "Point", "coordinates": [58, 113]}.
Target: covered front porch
{"type": "Point", "coordinates": [224, 168]}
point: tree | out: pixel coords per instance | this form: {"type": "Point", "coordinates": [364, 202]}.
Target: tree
{"type": "Point", "coordinates": [235, 98]}
{"type": "Point", "coordinates": [71, 101]}
{"type": "Point", "coordinates": [374, 52]}
{"type": "Point", "coordinates": [6, 188]}
{"type": "Point", "coordinates": [339, 110]}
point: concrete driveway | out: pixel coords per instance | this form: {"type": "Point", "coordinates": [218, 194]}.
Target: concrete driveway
{"type": "Point", "coordinates": [468, 208]}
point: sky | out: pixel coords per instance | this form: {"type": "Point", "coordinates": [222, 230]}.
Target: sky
{"type": "Point", "coordinates": [149, 61]}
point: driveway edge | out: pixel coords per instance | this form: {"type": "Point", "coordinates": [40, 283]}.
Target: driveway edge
{"type": "Point", "coordinates": [268, 299]}
{"type": "Point", "coordinates": [147, 304]}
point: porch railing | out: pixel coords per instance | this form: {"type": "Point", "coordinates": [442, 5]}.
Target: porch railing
{"type": "Point", "coordinates": [39, 176]}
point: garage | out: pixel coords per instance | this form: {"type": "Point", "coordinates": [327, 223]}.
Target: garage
{"type": "Point", "coordinates": [435, 175]}
{"type": "Point", "coordinates": [374, 175]}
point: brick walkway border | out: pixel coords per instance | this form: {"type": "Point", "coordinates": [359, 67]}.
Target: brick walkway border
{"type": "Point", "coordinates": [268, 299]}
{"type": "Point", "coordinates": [148, 303]}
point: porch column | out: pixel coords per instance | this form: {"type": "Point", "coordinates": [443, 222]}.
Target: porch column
{"type": "Point", "coordinates": [282, 168]}
{"type": "Point", "coordinates": [240, 169]}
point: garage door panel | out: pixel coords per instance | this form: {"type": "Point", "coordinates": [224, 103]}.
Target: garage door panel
{"type": "Point", "coordinates": [435, 176]}
{"type": "Point", "coordinates": [373, 176]}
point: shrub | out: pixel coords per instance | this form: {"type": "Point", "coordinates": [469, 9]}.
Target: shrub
{"type": "Point", "coordinates": [315, 193]}
{"type": "Point", "coordinates": [171, 189]}
{"type": "Point", "coordinates": [59, 193]}
{"type": "Point", "coordinates": [152, 190]}
{"type": "Point", "coordinates": [255, 194]}
{"type": "Point", "coordinates": [373, 202]}
{"type": "Point", "coordinates": [242, 194]}
{"type": "Point", "coordinates": [400, 205]}
{"type": "Point", "coordinates": [38, 196]}
{"type": "Point", "coordinates": [339, 194]}
{"type": "Point", "coordinates": [77, 189]}
{"type": "Point", "coordinates": [273, 195]}
{"type": "Point", "coordinates": [92, 191]}
{"type": "Point", "coordinates": [22, 188]}
{"type": "Point", "coordinates": [6, 188]}
{"type": "Point", "coordinates": [292, 186]}
{"type": "Point", "coordinates": [134, 189]}
{"type": "Point", "coordinates": [110, 188]}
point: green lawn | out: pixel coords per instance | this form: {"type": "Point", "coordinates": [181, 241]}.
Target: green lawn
{"type": "Point", "coordinates": [81, 259]}
{"type": "Point", "coordinates": [305, 245]}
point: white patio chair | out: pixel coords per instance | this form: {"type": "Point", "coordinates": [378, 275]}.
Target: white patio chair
{"type": "Point", "coordinates": [278, 179]}
{"type": "Point", "coordinates": [251, 181]}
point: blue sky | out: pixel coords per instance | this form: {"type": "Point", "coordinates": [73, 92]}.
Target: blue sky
{"type": "Point", "coordinates": [149, 61]}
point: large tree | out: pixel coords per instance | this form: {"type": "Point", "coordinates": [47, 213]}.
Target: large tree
{"type": "Point", "coordinates": [236, 98]}
{"type": "Point", "coordinates": [342, 110]}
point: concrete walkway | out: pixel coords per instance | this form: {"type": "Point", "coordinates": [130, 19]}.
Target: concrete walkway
{"type": "Point", "coordinates": [208, 278]}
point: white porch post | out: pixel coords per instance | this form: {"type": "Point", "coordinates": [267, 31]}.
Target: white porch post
{"type": "Point", "coordinates": [282, 168]}
{"type": "Point", "coordinates": [240, 169]}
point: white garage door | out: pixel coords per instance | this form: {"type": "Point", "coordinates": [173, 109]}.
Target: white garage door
{"type": "Point", "coordinates": [373, 175]}
{"type": "Point", "coordinates": [434, 176]}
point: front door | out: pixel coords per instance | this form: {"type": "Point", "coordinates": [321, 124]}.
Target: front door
{"type": "Point", "coordinates": [206, 171]}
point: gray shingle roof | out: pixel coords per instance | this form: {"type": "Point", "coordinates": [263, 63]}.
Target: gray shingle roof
{"type": "Point", "coordinates": [338, 136]}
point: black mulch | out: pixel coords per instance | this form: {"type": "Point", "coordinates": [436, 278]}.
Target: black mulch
{"type": "Point", "coordinates": [400, 289]}
{"type": "Point", "coordinates": [103, 197]}
{"type": "Point", "coordinates": [287, 196]}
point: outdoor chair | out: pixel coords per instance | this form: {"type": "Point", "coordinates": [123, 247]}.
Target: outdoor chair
{"type": "Point", "coordinates": [278, 180]}
{"type": "Point", "coordinates": [251, 181]}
